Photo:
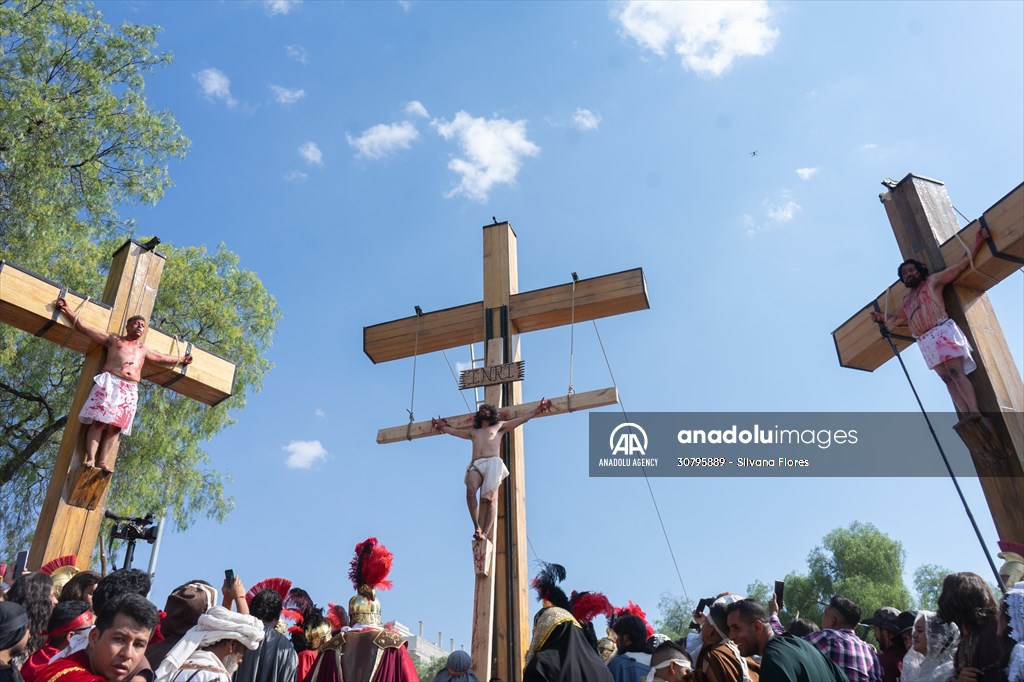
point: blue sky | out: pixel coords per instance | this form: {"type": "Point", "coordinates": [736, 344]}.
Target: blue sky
{"type": "Point", "coordinates": [350, 153]}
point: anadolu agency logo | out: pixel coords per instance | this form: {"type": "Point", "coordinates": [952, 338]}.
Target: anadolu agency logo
{"type": "Point", "coordinates": [626, 440]}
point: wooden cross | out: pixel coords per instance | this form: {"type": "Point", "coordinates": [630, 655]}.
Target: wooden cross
{"type": "Point", "coordinates": [69, 521]}
{"type": "Point", "coordinates": [926, 229]}
{"type": "Point", "coordinates": [504, 613]}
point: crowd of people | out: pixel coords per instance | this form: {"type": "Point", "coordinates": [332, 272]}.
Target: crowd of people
{"type": "Point", "coordinates": [105, 629]}
{"type": "Point", "coordinates": [972, 637]}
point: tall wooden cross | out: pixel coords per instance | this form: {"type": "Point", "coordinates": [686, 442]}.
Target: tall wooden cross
{"type": "Point", "coordinates": [926, 229]}
{"type": "Point", "coordinates": [70, 518]}
{"type": "Point", "coordinates": [501, 610]}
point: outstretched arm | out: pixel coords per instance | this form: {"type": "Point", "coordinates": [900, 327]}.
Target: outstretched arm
{"type": "Point", "coordinates": [163, 358]}
{"type": "Point", "coordinates": [897, 320]}
{"type": "Point", "coordinates": [100, 337]}
{"type": "Point", "coordinates": [511, 424]}
{"type": "Point", "coordinates": [441, 426]}
{"type": "Point", "coordinates": [947, 276]}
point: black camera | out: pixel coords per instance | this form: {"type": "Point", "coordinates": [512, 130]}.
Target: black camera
{"type": "Point", "coordinates": [701, 605]}
{"type": "Point", "coordinates": [142, 528]}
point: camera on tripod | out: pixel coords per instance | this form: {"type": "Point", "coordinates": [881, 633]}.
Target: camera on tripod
{"type": "Point", "coordinates": [133, 528]}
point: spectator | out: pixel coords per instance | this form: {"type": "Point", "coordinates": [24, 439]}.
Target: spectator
{"type": "Point", "coordinates": [719, 658]}
{"type": "Point", "coordinates": [212, 649]}
{"type": "Point", "coordinates": [68, 617]}
{"type": "Point", "coordinates": [36, 595]}
{"type": "Point", "coordinates": [1012, 625]}
{"type": "Point", "coordinates": [632, 661]}
{"type": "Point", "coordinates": [13, 638]}
{"type": "Point", "coordinates": [457, 669]}
{"type": "Point", "coordinates": [839, 642]}
{"type": "Point", "coordinates": [784, 658]}
{"type": "Point", "coordinates": [934, 644]}
{"type": "Point", "coordinates": [116, 647]}
{"type": "Point", "coordinates": [801, 627]}
{"type": "Point", "coordinates": [183, 607]}
{"type": "Point", "coordinates": [274, 660]}
{"type": "Point", "coordinates": [671, 663]}
{"type": "Point", "coordinates": [890, 643]}
{"type": "Point", "coordinates": [80, 587]}
{"type": "Point", "coordinates": [967, 600]}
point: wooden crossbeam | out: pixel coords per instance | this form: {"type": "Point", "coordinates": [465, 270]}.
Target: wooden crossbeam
{"type": "Point", "coordinates": [595, 298]}
{"type": "Point", "coordinates": [27, 302]}
{"type": "Point", "coordinates": [580, 401]}
{"type": "Point", "coordinates": [858, 341]}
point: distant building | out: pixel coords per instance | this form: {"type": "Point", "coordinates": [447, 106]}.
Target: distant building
{"type": "Point", "coordinates": [421, 649]}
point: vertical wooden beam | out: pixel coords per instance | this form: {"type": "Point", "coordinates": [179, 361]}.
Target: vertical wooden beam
{"type": "Point", "coordinates": [499, 632]}
{"type": "Point", "coordinates": [62, 527]}
{"type": "Point", "coordinates": [922, 218]}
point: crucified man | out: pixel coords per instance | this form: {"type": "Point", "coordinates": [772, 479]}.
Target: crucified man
{"type": "Point", "coordinates": [486, 470]}
{"type": "Point", "coordinates": [110, 408]}
{"type": "Point", "coordinates": [942, 343]}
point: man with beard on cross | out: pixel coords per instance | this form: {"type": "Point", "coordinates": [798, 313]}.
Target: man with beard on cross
{"type": "Point", "coordinates": [942, 343]}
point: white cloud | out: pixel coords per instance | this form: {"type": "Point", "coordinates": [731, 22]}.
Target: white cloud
{"type": "Point", "coordinates": [297, 53]}
{"type": "Point", "coordinates": [405, 4]}
{"type": "Point", "coordinates": [707, 35]}
{"type": "Point", "coordinates": [275, 7]}
{"type": "Point", "coordinates": [415, 108]}
{"type": "Point", "coordinates": [869, 146]}
{"type": "Point", "coordinates": [286, 96]}
{"type": "Point", "coordinates": [320, 413]}
{"type": "Point", "coordinates": [494, 151]}
{"type": "Point", "coordinates": [585, 119]}
{"type": "Point", "coordinates": [296, 176]}
{"type": "Point", "coordinates": [312, 154]}
{"type": "Point", "coordinates": [381, 140]}
{"type": "Point", "coordinates": [782, 212]}
{"type": "Point", "coordinates": [806, 173]}
{"type": "Point", "coordinates": [461, 367]}
{"type": "Point", "coordinates": [216, 85]}
{"type": "Point", "coordinates": [303, 454]}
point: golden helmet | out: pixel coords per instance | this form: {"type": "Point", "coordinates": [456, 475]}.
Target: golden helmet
{"type": "Point", "coordinates": [317, 635]}
{"type": "Point", "coordinates": [364, 609]}
{"type": "Point", "coordinates": [61, 570]}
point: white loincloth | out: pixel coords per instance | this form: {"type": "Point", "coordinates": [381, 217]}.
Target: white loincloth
{"type": "Point", "coordinates": [943, 342]}
{"type": "Point", "coordinates": [493, 471]}
{"type": "Point", "coordinates": [112, 400]}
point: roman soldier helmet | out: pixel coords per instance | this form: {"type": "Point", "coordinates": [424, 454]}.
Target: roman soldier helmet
{"type": "Point", "coordinates": [61, 570]}
{"type": "Point", "coordinates": [368, 571]}
{"type": "Point", "coordinates": [310, 621]}
{"type": "Point", "coordinates": [1012, 570]}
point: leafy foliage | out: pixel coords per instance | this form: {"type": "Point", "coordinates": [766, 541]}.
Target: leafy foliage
{"type": "Point", "coordinates": [859, 562]}
{"type": "Point", "coordinates": [676, 614]}
{"type": "Point", "coordinates": [427, 670]}
{"type": "Point", "coordinates": [77, 140]}
{"type": "Point", "coordinates": [928, 585]}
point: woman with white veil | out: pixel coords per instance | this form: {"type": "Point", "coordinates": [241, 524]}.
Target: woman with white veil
{"type": "Point", "coordinates": [934, 646]}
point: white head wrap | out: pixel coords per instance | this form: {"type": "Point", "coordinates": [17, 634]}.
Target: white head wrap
{"type": "Point", "coordinates": [215, 625]}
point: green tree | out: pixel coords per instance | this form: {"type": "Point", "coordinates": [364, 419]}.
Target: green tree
{"type": "Point", "coordinates": [676, 614]}
{"type": "Point", "coordinates": [859, 562]}
{"type": "Point", "coordinates": [77, 140]}
{"type": "Point", "coordinates": [426, 670]}
{"type": "Point", "coordinates": [928, 584]}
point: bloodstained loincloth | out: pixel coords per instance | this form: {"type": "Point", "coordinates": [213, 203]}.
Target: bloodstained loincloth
{"type": "Point", "coordinates": [112, 400]}
{"type": "Point", "coordinates": [943, 342]}
{"type": "Point", "coordinates": [491, 469]}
